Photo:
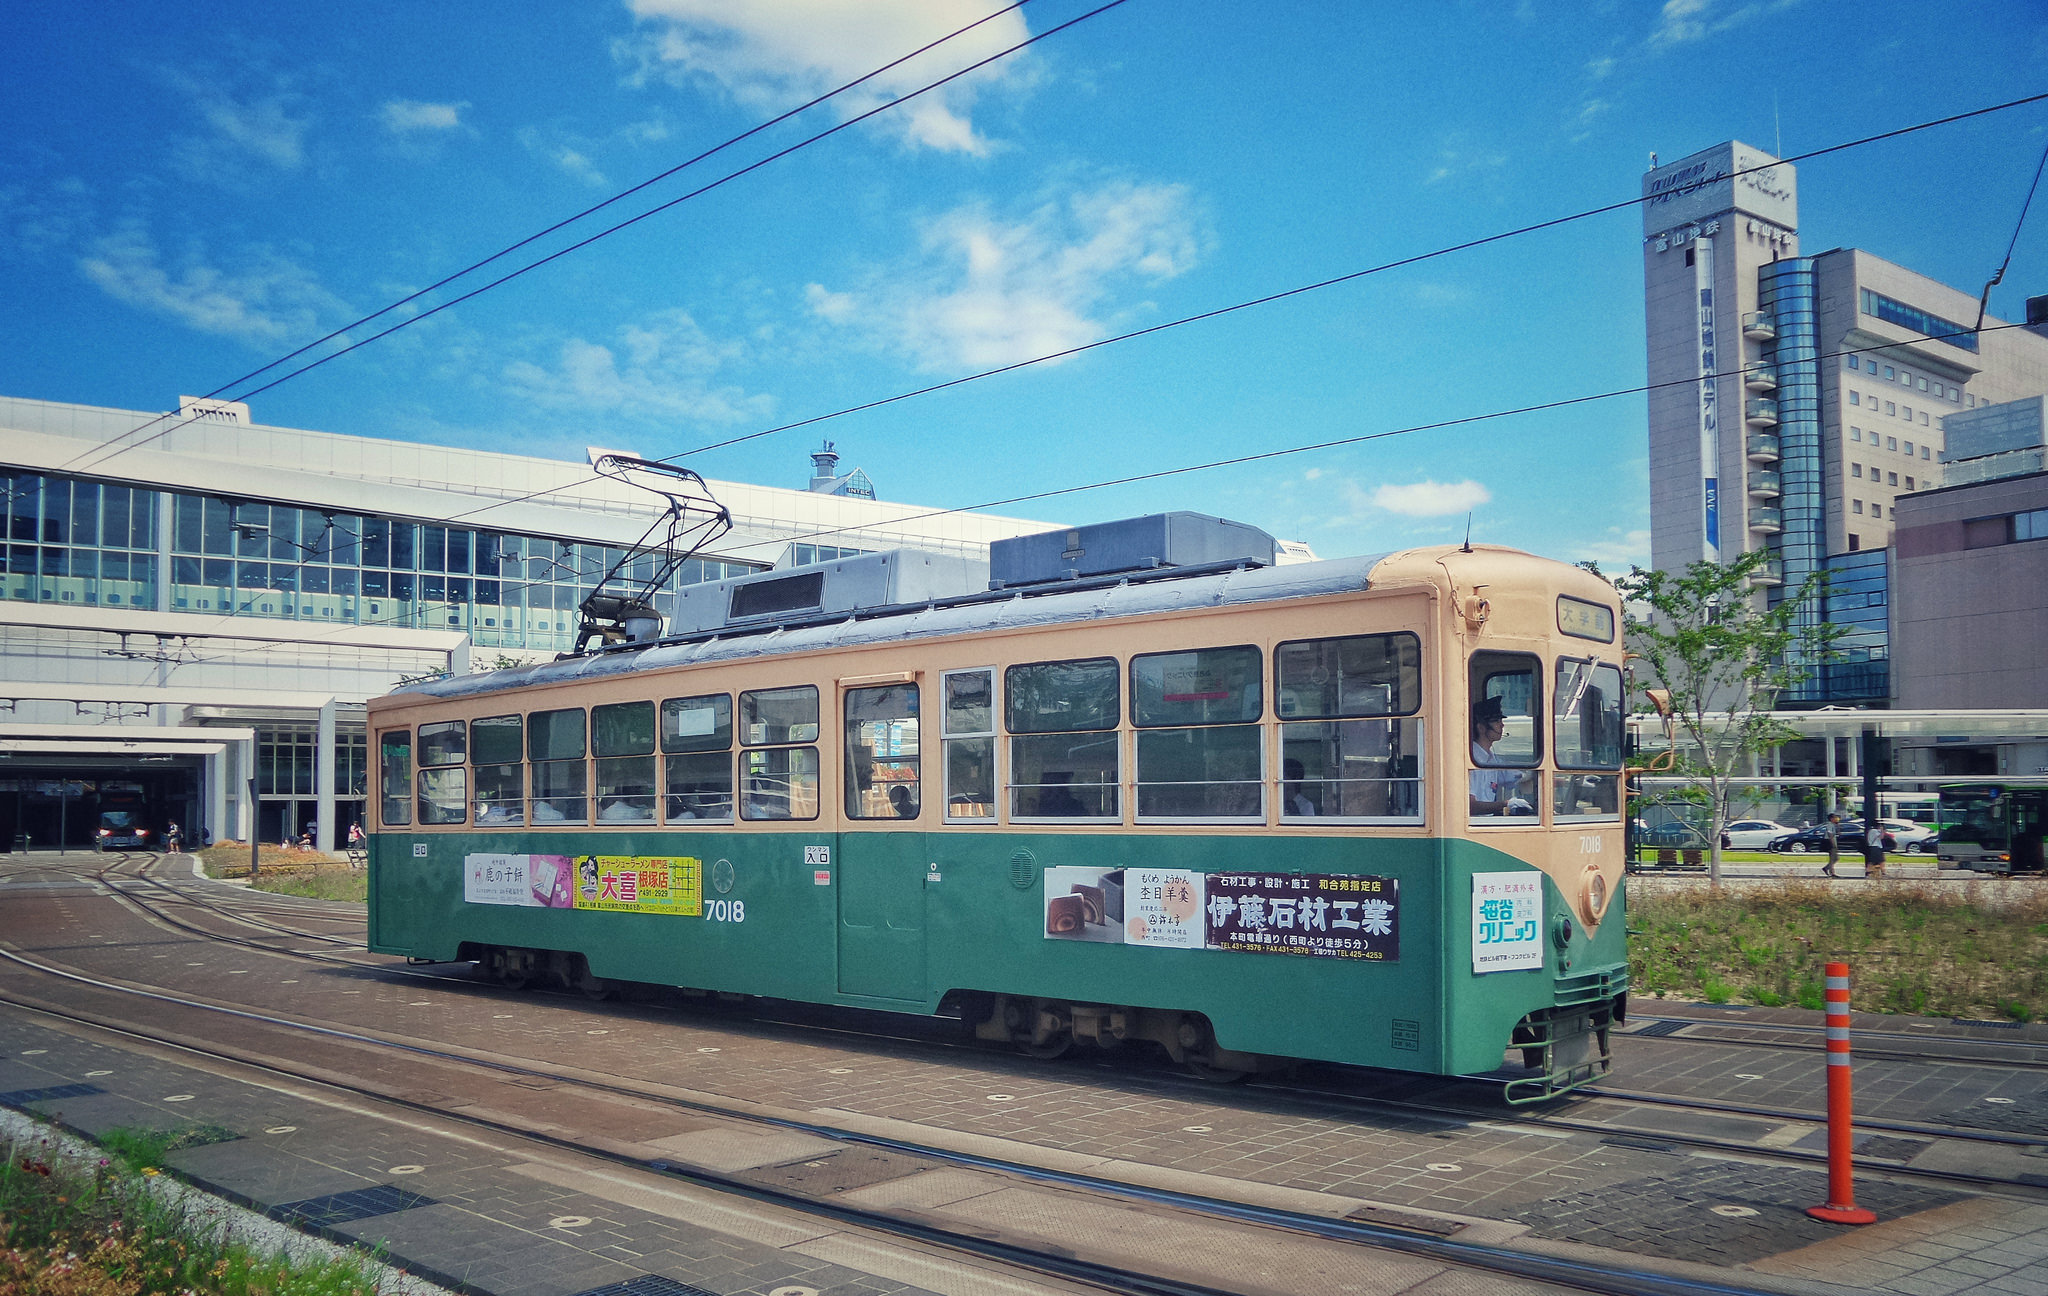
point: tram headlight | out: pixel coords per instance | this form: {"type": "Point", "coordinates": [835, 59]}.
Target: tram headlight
{"type": "Point", "coordinates": [1561, 934]}
{"type": "Point", "coordinates": [1593, 895]}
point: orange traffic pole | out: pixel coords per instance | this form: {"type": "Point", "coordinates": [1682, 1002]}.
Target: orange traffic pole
{"type": "Point", "coordinates": [1841, 1207]}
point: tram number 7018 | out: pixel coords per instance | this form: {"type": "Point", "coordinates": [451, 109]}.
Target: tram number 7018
{"type": "Point", "coordinates": [725, 911]}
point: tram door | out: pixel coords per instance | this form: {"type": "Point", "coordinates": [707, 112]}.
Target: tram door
{"type": "Point", "coordinates": [881, 880]}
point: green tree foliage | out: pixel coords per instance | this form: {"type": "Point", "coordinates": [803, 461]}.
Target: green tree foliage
{"type": "Point", "coordinates": [1719, 660]}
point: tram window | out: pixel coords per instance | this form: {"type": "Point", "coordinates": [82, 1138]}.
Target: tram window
{"type": "Point", "coordinates": [1586, 732]}
{"type": "Point", "coordinates": [1506, 742]}
{"type": "Point", "coordinates": [444, 795]}
{"type": "Point", "coordinates": [1063, 741]}
{"type": "Point", "coordinates": [882, 752]}
{"type": "Point", "coordinates": [497, 745]}
{"type": "Point", "coordinates": [970, 745]}
{"type": "Point", "coordinates": [555, 743]}
{"type": "Point", "coordinates": [622, 738]}
{"type": "Point", "coordinates": [1197, 759]}
{"type": "Point", "coordinates": [1353, 676]}
{"type": "Point", "coordinates": [394, 775]}
{"type": "Point", "coordinates": [445, 743]}
{"type": "Point", "coordinates": [696, 741]}
{"type": "Point", "coordinates": [781, 783]}
{"type": "Point", "coordinates": [784, 715]}
{"type": "Point", "coordinates": [1361, 771]}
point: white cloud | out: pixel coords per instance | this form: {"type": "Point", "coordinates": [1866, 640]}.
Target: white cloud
{"type": "Point", "coordinates": [1431, 498]}
{"type": "Point", "coordinates": [1617, 550]}
{"type": "Point", "coordinates": [1454, 162]}
{"type": "Point", "coordinates": [266, 299]}
{"type": "Point", "coordinates": [408, 116]}
{"type": "Point", "coordinates": [774, 54]}
{"type": "Point", "coordinates": [1684, 21]}
{"type": "Point", "coordinates": [993, 292]}
{"type": "Point", "coordinates": [1600, 68]}
{"type": "Point", "coordinates": [658, 370]}
{"type": "Point", "coordinates": [268, 124]}
{"type": "Point", "coordinates": [567, 158]}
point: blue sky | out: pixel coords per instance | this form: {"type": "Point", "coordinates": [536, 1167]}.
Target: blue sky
{"type": "Point", "coordinates": [188, 192]}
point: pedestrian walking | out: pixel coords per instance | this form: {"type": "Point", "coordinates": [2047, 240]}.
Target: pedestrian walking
{"type": "Point", "coordinates": [174, 838]}
{"type": "Point", "coordinates": [1834, 836]}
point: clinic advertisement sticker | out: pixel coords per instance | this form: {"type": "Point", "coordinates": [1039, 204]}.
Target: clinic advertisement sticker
{"type": "Point", "coordinates": [1507, 921]}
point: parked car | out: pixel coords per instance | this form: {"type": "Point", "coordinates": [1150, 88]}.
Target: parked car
{"type": "Point", "coordinates": [1815, 839]}
{"type": "Point", "coordinates": [1913, 838]}
{"type": "Point", "coordinates": [1752, 834]}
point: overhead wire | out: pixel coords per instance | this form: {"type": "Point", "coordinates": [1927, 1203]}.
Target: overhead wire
{"type": "Point", "coordinates": [629, 222]}
{"type": "Point", "coordinates": [1984, 301]}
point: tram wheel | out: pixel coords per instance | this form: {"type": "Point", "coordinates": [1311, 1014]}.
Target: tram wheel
{"type": "Point", "coordinates": [1056, 1046]}
{"type": "Point", "coordinates": [1201, 1070]}
{"type": "Point", "coordinates": [598, 989]}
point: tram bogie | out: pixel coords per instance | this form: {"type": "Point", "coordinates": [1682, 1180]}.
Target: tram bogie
{"type": "Point", "coordinates": [1230, 812]}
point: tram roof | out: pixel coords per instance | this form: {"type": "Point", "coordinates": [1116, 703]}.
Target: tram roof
{"type": "Point", "coordinates": [1151, 593]}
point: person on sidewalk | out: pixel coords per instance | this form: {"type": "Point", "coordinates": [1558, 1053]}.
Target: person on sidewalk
{"type": "Point", "coordinates": [1834, 836]}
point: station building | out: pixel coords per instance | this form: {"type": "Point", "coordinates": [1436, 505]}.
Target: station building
{"type": "Point", "coordinates": [1795, 399]}
{"type": "Point", "coordinates": [195, 607]}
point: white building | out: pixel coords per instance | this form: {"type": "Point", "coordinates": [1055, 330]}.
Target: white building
{"type": "Point", "coordinates": [199, 605]}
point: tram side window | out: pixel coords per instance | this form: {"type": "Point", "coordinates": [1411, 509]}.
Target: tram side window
{"type": "Point", "coordinates": [1350, 742]}
{"type": "Point", "coordinates": [622, 738]}
{"type": "Point", "coordinates": [498, 748]}
{"type": "Point", "coordinates": [779, 780]}
{"type": "Point", "coordinates": [1507, 739]}
{"type": "Point", "coordinates": [555, 744]}
{"type": "Point", "coordinates": [970, 743]}
{"type": "Point", "coordinates": [394, 775]}
{"type": "Point", "coordinates": [1586, 737]}
{"type": "Point", "coordinates": [882, 752]}
{"type": "Point", "coordinates": [443, 782]}
{"type": "Point", "coordinates": [696, 745]}
{"type": "Point", "coordinates": [1063, 741]}
{"type": "Point", "coordinates": [1199, 748]}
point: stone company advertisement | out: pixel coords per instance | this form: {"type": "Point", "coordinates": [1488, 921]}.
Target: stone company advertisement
{"type": "Point", "coordinates": [1507, 921]}
{"type": "Point", "coordinates": [612, 883]}
{"type": "Point", "coordinates": [1332, 916]}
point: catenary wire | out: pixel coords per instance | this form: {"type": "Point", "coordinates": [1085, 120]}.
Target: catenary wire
{"type": "Point", "coordinates": [1565, 402]}
{"type": "Point", "coordinates": [623, 194]}
{"type": "Point", "coordinates": [1984, 301]}
{"type": "Point", "coordinates": [607, 232]}
{"type": "Point", "coordinates": [1248, 304]}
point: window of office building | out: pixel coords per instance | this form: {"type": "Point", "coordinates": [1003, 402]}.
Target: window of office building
{"type": "Point", "coordinates": [1891, 407]}
{"type": "Point", "coordinates": [1891, 479]}
{"type": "Point", "coordinates": [1934, 326]}
{"type": "Point", "coordinates": [1855, 362]}
{"type": "Point", "coordinates": [1891, 443]}
{"type": "Point", "coordinates": [1876, 510]}
{"type": "Point", "coordinates": [71, 541]}
{"type": "Point", "coordinates": [1909, 448]}
{"type": "Point", "coordinates": [1855, 506]}
{"type": "Point", "coordinates": [1855, 470]}
{"type": "Point", "coordinates": [1855, 399]}
{"type": "Point", "coordinates": [1855, 434]}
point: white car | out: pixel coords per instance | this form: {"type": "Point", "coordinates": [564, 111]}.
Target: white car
{"type": "Point", "coordinates": [1751, 834]}
{"type": "Point", "coordinates": [1913, 838]}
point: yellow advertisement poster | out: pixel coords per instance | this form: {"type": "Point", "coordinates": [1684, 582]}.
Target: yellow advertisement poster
{"type": "Point", "coordinates": [640, 884]}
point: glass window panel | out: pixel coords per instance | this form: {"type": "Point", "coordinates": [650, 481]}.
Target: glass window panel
{"type": "Point", "coordinates": [1050, 697]}
{"type": "Point", "coordinates": [85, 513]}
{"type": "Point", "coordinates": [445, 742]}
{"type": "Point", "coordinates": [344, 580]}
{"type": "Point", "coordinates": [882, 752]}
{"type": "Point", "coordinates": [497, 740]}
{"type": "Point", "coordinates": [402, 585]}
{"type": "Point", "coordinates": [187, 523]}
{"type": "Point", "coordinates": [1359, 675]}
{"type": "Point", "coordinates": [114, 517]}
{"type": "Point", "coordinates": [625, 786]}
{"type": "Point", "coordinates": [433, 548]}
{"type": "Point", "coordinates": [376, 542]}
{"type": "Point", "coordinates": [699, 785]}
{"type": "Point", "coordinates": [1506, 738]}
{"type": "Point", "coordinates": [623, 729]}
{"type": "Point", "coordinates": [555, 735]}
{"type": "Point", "coordinates": [1202, 686]}
{"type": "Point", "coordinates": [458, 551]}
{"type": "Point", "coordinates": [970, 778]}
{"type": "Point", "coordinates": [697, 724]}
{"type": "Point", "coordinates": [1351, 769]}
{"type": "Point", "coordinates": [114, 566]}
{"type": "Point", "coordinates": [970, 703]}
{"type": "Point", "coordinates": [402, 545]}
{"type": "Point", "coordinates": [56, 511]}
{"type": "Point", "coordinates": [781, 783]}
{"type": "Point", "coordinates": [500, 790]}
{"type": "Point", "coordinates": [1206, 773]}
{"type": "Point", "coordinates": [1588, 714]}
{"type": "Point", "coordinates": [559, 787]}
{"type": "Point", "coordinates": [395, 775]}
{"type": "Point", "coordinates": [444, 795]}
{"type": "Point", "coordinates": [785, 715]}
{"type": "Point", "coordinates": [1064, 776]}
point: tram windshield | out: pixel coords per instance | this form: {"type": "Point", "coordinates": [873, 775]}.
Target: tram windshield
{"type": "Point", "coordinates": [1977, 816]}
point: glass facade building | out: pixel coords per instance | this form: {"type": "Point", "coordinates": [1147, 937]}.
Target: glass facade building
{"type": "Point", "coordinates": [100, 544]}
{"type": "Point", "coordinates": [1786, 295]}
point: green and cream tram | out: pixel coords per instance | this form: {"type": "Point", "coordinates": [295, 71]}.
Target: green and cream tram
{"type": "Point", "coordinates": [1151, 787]}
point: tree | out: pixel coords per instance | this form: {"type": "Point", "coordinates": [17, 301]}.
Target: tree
{"type": "Point", "coordinates": [1719, 664]}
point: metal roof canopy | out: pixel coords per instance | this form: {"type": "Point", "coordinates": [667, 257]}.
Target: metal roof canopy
{"type": "Point", "coordinates": [1931, 726]}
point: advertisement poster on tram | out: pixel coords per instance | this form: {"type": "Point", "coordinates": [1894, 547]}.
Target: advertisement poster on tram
{"type": "Point", "coordinates": [1163, 907]}
{"type": "Point", "coordinates": [1084, 904]}
{"type": "Point", "coordinates": [1507, 925]}
{"type": "Point", "coordinates": [610, 883]}
{"type": "Point", "coordinates": [1326, 915]}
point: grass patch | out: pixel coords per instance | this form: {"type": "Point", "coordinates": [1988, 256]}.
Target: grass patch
{"type": "Point", "coordinates": [1937, 951]}
{"type": "Point", "coordinates": [104, 1228]}
{"type": "Point", "coordinates": [289, 872]}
